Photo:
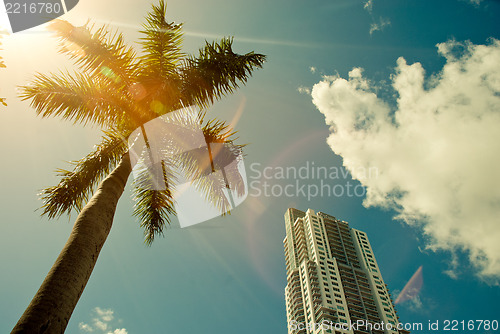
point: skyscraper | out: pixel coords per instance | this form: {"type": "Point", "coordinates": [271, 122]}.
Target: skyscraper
{"type": "Point", "coordinates": [334, 284]}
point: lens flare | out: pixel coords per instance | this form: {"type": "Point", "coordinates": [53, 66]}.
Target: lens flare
{"type": "Point", "coordinates": [412, 288]}
{"type": "Point", "coordinates": [4, 19]}
{"type": "Point", "coordinates": [106, 71]}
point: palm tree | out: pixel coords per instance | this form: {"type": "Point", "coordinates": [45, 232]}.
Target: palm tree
{"type": "Point", "coordinates": [121, 91]}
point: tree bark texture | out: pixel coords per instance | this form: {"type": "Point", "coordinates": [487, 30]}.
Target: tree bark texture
{"type": "Point", "coordinates": [53, 304]}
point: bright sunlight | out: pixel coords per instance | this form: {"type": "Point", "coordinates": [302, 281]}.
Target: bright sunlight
{"type": "Point", "coordinates": [4, 20]}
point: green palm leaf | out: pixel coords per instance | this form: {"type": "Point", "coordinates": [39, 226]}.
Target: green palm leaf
{"type": "Point", "coordinates": [79, 97]}
{"type": "Point", "coordinates": [75, 187]}
{"type": "Point", "coordinates": [100, 52]}
{"type": "Point", "coordinates": [216, 72]}
{"type": "Point", "coordinates": [154, 208]}
{"type": "Point", "coordinates": [161, 44]}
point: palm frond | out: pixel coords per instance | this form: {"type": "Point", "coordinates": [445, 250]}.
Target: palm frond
{"type": "Point", "coordinates": [213, 170]}
{"type": "Point", "coordinates": [217, 71]}
{"type": "Point", "coordinates": [99, 53]}
{"type": "Point", "coordinates": [152, 207]}
{"type": "Point", "coordinates": [161, 44]}
{"type": "Point", "coordinates": [75, 187]}
{"type": "Point", "coordinates": [80, 98]}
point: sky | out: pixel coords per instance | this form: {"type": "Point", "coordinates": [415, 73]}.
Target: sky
{"type": "Point", "coordinates": [398, 99]}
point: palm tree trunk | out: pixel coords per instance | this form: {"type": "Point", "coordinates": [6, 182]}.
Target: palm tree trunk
{"type": "Point", "coordinates": [53, 304]}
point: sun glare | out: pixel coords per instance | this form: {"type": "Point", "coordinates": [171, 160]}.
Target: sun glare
{"type": "Point", "coordinates": [4, 20]}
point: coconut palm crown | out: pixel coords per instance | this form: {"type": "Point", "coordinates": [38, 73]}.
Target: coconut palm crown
{"type": "Point", "coordinates": [120, 90]}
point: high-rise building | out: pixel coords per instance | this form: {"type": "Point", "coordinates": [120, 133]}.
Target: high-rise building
{"type": "Point", "coordinates": [334, 284]}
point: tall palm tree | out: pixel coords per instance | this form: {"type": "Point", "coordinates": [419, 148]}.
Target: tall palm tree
{"type": "Point", "coordinates": [121, 91]}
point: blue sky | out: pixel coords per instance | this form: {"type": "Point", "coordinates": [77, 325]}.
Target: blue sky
{"type": "Point", "coordinates": [438, 168]}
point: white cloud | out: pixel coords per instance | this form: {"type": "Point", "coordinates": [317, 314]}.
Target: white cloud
{"type": "Point", "coordinates": [104, 314]}
{"type": "Point", "coordinates": [119, 331]}
{"type": "Point", "coordinates": [437, 153]}
{"type": "Point", "coordinates": [101, 322]}
{"type": "Point", "coordinates": [304, 90]}
{"type": "Point", "coordinates": [368, 5]}
{"type": "Point", "coordinates": [85, 327]}
{"type": "Point", "coordinates": [380, 25]}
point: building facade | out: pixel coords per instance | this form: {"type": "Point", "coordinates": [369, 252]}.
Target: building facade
{"type": "Point", "coordinates": [334, 284]}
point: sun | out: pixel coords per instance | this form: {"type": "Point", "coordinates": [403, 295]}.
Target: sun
{"type": "Point", "coordinates": [4, 19]}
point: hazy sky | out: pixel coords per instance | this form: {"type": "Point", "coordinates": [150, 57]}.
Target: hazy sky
{"type": "Point", "coordinates": [409, 90]}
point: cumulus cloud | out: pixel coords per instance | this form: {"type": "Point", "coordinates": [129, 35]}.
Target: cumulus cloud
{"type": "Point", "coordinates": [436, 150]}
{"type": "Point", "coordinates": [85, 327]}
{"type": "Point", "coordinates": [101, 322]}
{"type": "Point", "coordinates": [119, 331]}
{"type": "Point", "coordinates": [105, 314]}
